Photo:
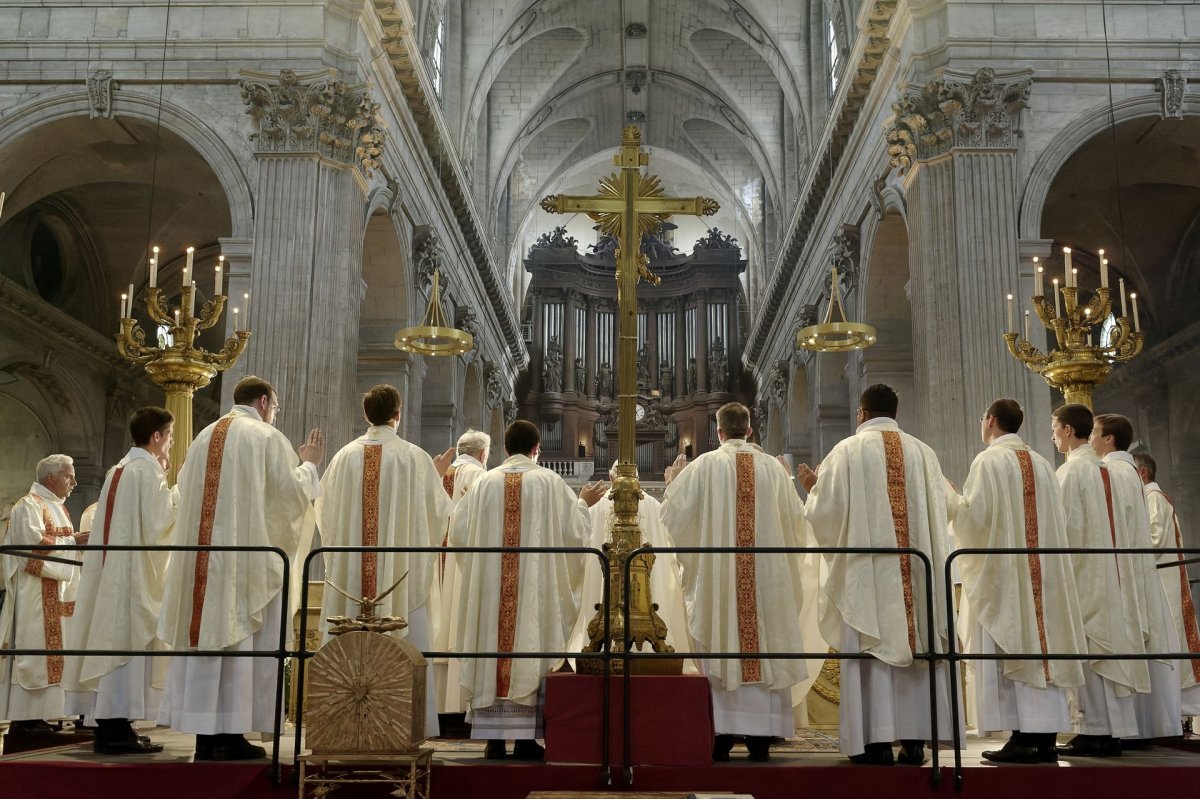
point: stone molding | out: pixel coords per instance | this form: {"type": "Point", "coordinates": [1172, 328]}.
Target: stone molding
{"type": "Point", "coordinates": [100, 87]}
{"type": "Point", "coordinates": [1173, 86]}
{"type": "Point", "coordinates": [314, 112]}
{"type": "Point", "coordinates": [943, 114]}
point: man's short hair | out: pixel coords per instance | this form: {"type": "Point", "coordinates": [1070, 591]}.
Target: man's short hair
{"type": "Point", "coordinates": [474, 443]}
{"type": "Point", "coordinates": [1117, 426]}
{"type": "Point", "coordinates": [1077, 417]}
{"type": "Point", "coordinates": [147, 421]}
{"type": "Point", "coordinates": [381, 404]}
{"type": "Point", "coordinates": [879, 400]}
{"type": "Point", "coordinates": [733, 419]}
{"type": "Point", "coordinates": [250, 388]}
{"type": "Point", "coordinates": [1008, 414]}
{"type": "Point", "coordinates": [1145, 461]}
{"type": "Point", "coordinates": [52, 464]}
{"type": "Point", "coordinates": [521, 437]}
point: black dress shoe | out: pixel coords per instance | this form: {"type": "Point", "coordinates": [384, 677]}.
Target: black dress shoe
{"type": "Point", "coordinates": [759, 747]}
{"type": "Point", "coordinates": [138, 745]}
{"type": "Point", "coordinates": [876, 754]}
{"type": "Point", "coordinates": [912, 753]}
{"type": "Point", "coordinates": [231, 747]}
{"type": "Point", "coordinates": [495, 750]}
{"type": "Point", "coordinates": [528, 750]}
{"type": "Point", "coordinates": [1013, 753]}
{"type": "Point", "coordinates": [722, 746]}
{"type": "Point", "coordinates": [1136, 744]}
{"type": "Point", "coordinates": [30, 727]}
{"type": "Point", "coordinates": [1090, 746]}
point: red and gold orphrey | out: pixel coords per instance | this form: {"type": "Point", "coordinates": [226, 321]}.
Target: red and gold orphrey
{"type": "Point", "coordinates": [1112, 524]}
{"type": "Point", "coordinates": [893, 452]}
{"type": "Point", "coordinates": [109, 503]}
{"type": "Point", "coordinates": [448, 485]}
{"type": "Point", "coordinates": [53, 610]}
{"type": "Point", "coordinates": [1029, 491]}
{"type": "Point", "coordinates": [509, 574]}
{"type": "Point", "coordinates": [747, 589]}
{"type": "Point", "coordinates": [208, 510]}
{"type": "Point", "coordinates": [372, 458]}
{"type": "Point", "coordinates": [1188, 608]}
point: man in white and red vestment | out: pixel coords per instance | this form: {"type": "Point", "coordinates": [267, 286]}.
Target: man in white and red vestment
{"type": "Point", "coordinates": [120, 593]}
{"type": "Point", "coordinates": [1166, 535]}
{"type": "Point", "coordinates": [380, 490]}
{"type": "Point", "coordinates": [240, 485]}
{"type": "Point", "coordinates": [740, 496]}
{"type": "Point", "coordinates": [882, 488]}
{"type": "Point", "coordinates": [1017, 604]}
{"type": "Point", "coordinates": [515, 603]}
{"type": "Point", "coordinates": [1159, 711]}
{"type": "Point", "coordinates": [1108, 599]}
{"type": "Point", "coordinates": [41, 593]}
{"type": "Point", "coordinates": [469, 465]}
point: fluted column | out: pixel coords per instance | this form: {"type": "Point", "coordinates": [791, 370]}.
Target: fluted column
{"type": "Point", "coordinates": [701, 342]}
{"type": "Point", "coordinates": [589, 350]}
{"type": "Point", "coordinates": [315, 136]}
{"type": "Point", "coordinates": [568, 342]}
{"type": "Point", "coordinates": [957, 142]}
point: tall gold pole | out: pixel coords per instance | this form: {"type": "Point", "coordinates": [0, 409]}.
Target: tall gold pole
{"type": "Point", "coordinates": [629, 204]}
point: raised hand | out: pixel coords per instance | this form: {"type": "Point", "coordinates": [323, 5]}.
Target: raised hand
{"type": "Point", "coordinates": [442, 462]}
{"type": "Point", "coordinates": [313, 448]}
{"type": "Point", "coordinates": [807, 476]}
{"type": "Point", "coordinates": [672, 471]}
{"type": "Point", "coordinates": [592, 492]}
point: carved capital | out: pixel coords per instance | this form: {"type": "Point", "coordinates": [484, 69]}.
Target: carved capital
{"type": "Point", "coordinates": [427, 257]}
{"type": "Point", "coordinates": [314, 113]}
{"type": "Point", "coordinates": [494, 386]}
{"type": "Point", "coordinates": [777, 383]}
{"type": "Point", "coordinates": [948, 113]}
{"type": "Point", "coordinates": [1172, 84]}
{"type": "Point", "coordinates": [100, 87]}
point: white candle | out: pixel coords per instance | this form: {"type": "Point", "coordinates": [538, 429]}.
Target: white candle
{"type": "Point", "coordinates": [1037, 278]}
{"type": "Point", "coordinates": [2, 195]}
{"type": "Point", "coordinates": [191, 252]}
{"type": "Point", "coordinates": [1009, 327]}
{"type": "Point", "coordinates": [1075, 277]}
{"type": "Point", "coordinates": [1057, 302]}
{"type": "Point", "coordinates": [124, 315]}
{"type": "Point", "coordinates": [1124, 312]}
{"type": "Point", "coordinates": [1103, 271]}
{"type": "Point", "coordinates": [177, 317]}
{"type": "Point", "coordinates": [1027, 325]}
{"type": "Point", "coordinates": [192, 301]}
{"type": "Point", "coordinates": [129, 307]}
{"type": "Point", "coordinates": [1067, 266]}
{"type": "Point", "coordinates": [220, 264]}
{"type": "Point", "coordinates": [235, 319]}
{"type": "Point", "coordinates": [1137, 326]}
{"type": "Point", "coordinates": [153, 272]}
{"type": "Point", "coordinates": [246, 305]}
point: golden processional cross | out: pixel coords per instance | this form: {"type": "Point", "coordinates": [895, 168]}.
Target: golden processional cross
{"type": "Point", "coordinates": [628, 206]}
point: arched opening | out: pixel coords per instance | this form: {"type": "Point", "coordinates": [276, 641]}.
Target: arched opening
{"type": "Point", "coordinates": [24, 440]}
{"type": "Point", "coordinates": [886, 307]}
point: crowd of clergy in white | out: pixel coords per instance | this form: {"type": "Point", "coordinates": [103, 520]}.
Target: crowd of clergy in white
{"type": "Point", "coordinates": [243, 485]}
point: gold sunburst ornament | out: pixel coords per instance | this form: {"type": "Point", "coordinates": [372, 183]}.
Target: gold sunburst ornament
{"type": "Point", "coordinates": [434, 336]}
{"type": "Point", "coordinates": [835, 335]}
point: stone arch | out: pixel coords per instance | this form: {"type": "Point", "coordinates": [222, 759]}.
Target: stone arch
{"type": "Point", "coordinates": [474, 409]}
{"type": "Point", "coordinates": [24, 440]}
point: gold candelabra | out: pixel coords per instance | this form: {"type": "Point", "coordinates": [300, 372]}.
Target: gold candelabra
{"type": "Point", "coordinates": [1078, 364]}
{"type": "Point", "coordinates": [174, 362]}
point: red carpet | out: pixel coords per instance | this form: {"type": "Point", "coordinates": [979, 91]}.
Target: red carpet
{"type": "Point", "coordinates": [36, 780]}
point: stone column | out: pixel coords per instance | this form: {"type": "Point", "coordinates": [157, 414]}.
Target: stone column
{"type": "Point", "coordinates": [701, 342]}
{"type": "Point", "coordinates": [568, 340]}
{"type": "Point", "coordinates": [956, 139]}
{"type": "Point", "coordinates": [315, 137]}
{"type": "Point", "coordinates": [239, 255]}
{"type": "Point", "coordinates": [679, 350]}
{"type": "Point", "coordinates": [589, 348]}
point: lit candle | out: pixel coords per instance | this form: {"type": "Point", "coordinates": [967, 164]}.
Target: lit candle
{"type": "Point", "coordinates": [1009, 327]}
{"type": "Point", "coordinates": [246, 305]}
{"type": "Point", "coordinates": [1103, 271]}
{"type": "Point", "coordinates": [1037, 278]}
{"type": "Point", "coordinates": [220, 263]}
{"type": "Point", "coordinates": [1124, 312]}
{"type": "Point", "coordinates": [1075, 276]}
{"type": "Point", "coordinates": [2, 195]}
{"type": "Point", "coordinates": [191, 251]}
{"type": "Point", "coordinates": [1137, 326]}
{"type": "Point", "coordinates": [1067, 266]}
{"type": "Point", "coordinates": [124, 315]}
{"type": "Point", "coordinates": [176, 317]}
{"type": "Point", "coordinates": [1057, 302]}
{"type": "Point", "coordinates": [154, 272]}
{"type": "Point", "coordinates": [192, 301]}
{"type": "Point", "coordinates": [129, 307]}
{"type": "Point", "coordinates": [235, 319]}
{"type": "Point", "coordinates": [1027, 325]}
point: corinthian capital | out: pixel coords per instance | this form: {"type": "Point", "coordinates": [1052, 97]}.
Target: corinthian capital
{"type": "Point", "coordinates": [314, 112]}
{"type": "Point", "coordinates": [983, 111]}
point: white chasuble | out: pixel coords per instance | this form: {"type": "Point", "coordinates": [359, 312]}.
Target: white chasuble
{"type": "Point", "coordinates": [1027, 603]}
{"type": "Point", "coordinates": [41, 592]}
{"type": "Point", "coordinates": [120, 593]}
{"type": "Point", "coordinates": [1166, 535]}
{"type": "Point", "coordinates": [740, 496]}
{"type": "Point", "coordinates": [517, 602]}
{"type": "Point", "coordinates": [381, 490]}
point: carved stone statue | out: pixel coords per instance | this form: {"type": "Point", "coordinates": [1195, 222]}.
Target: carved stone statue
{"type": "Point", "coordinates": [643, 366]}
{"type": "Point", "coordinates": [552, 368]}
{"type": "Point", "coordinates": [604, 381]}
{"type": "Point", "coordinates": [655, 245]}
{"type": "Point", "coordinates": [580, 376]}
{"type": "Point", "coordinates": [718, 375]}
{"type": "Point", "coordinates": [691, 376]}
{"type": "Point", "coordinates": [556, 239]}
{"type": "Point", "coordinates": [666, 379]}
{"type": "Point", "coordinates": [716, 240]}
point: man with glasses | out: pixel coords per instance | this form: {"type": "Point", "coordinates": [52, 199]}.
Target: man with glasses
{"type": "Point", "coordinates": [42, 593]}
{"type": "Point", "coordinates": [241, 484]}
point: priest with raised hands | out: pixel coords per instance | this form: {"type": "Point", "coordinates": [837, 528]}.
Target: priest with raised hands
{"type": "Point", "coordinates": [1159, 711]}
{"type": "Point", "coordinates": [380, 490]}
{"type": "Point", "coordinates": [882, 488]}
{"type": "Point", "coordinates": [241, 484]}
{"type": "Point", "coordinates": [739, 496]}
{"type": "Point", "coordinates": [120, 593]}
{"type": "Point", "coordinates": [1166, 535]}
{"type": "Point", "coordinates": [470, 463]}
{"type": "Point", "coordinates": [39, 599]}
{"type": "Point", "coordinates": [1108, 599]}
{"type": "Point", "coordinates": [1019, 604]}
{"type": "Point", "coordinates": [514, 602]}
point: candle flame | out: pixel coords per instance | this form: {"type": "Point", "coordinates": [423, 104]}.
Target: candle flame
{"type": "Point", "coordinates": [191, 249]}
{"type": "Point", "coordinates": [1066, 249]}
